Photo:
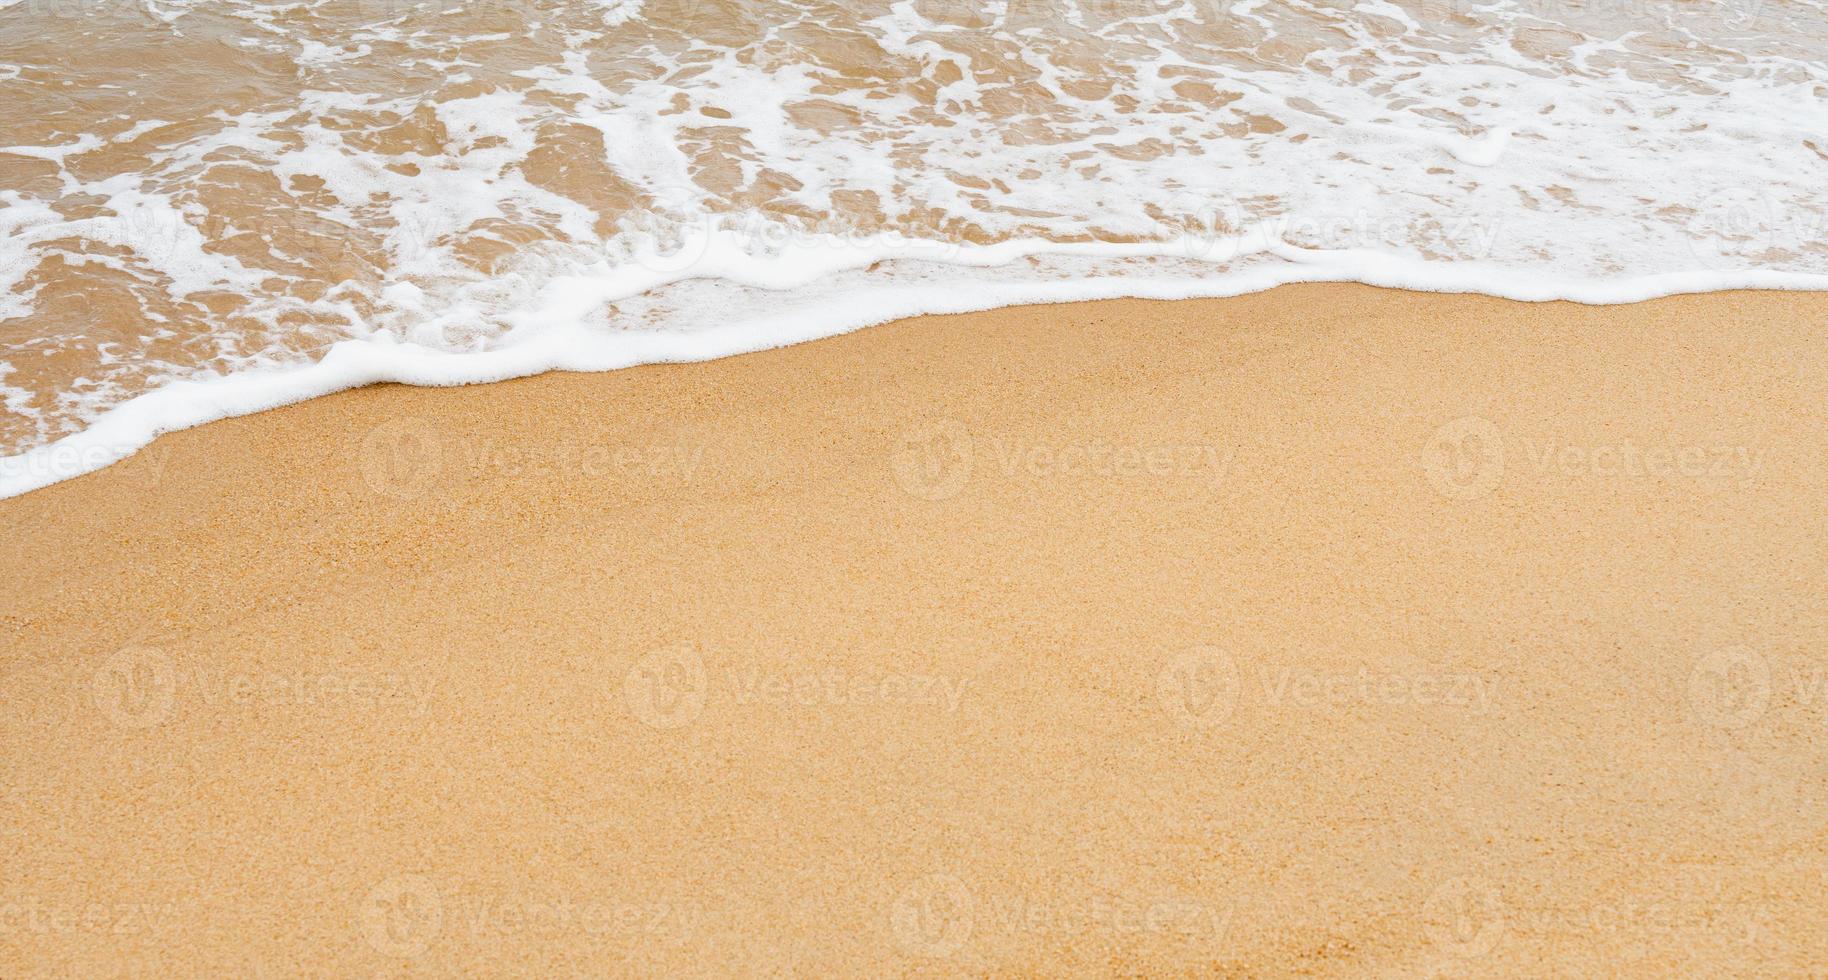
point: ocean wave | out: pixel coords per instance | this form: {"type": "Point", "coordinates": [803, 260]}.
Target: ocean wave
{"type": "Point", "coordinates": [209, 207]}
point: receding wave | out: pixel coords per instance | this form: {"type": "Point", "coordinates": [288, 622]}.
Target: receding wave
{"type": "Point", "coordinates": [213, 206]}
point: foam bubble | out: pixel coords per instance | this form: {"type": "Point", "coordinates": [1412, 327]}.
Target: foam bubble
{"type": "Point", "coordinates": [445, 195]}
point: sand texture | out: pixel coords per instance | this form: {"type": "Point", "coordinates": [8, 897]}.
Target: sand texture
{"type": "Point", "coordinates": [1329, 630]}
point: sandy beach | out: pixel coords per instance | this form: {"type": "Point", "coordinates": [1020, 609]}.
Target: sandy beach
{"type": "Point", "coordinates": [1329, 630]}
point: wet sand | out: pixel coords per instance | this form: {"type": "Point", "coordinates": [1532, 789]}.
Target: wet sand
{"type": "Point", "coordinates": [1329, 630]}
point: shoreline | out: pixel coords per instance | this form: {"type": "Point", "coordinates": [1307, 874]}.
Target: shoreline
{"type": "Point", "coordinates": [1327, 629]}
{"type": "Point", "coordinates": [134, 424]}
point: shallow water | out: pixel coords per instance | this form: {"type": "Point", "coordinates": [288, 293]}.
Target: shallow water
{"type": "Point", "coordinates": [194, 189]}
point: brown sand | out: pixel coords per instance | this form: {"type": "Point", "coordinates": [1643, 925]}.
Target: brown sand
{"type": "Point", "coordinates": [1328, 630]}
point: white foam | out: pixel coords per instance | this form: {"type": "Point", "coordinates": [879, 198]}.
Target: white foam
{"type": "Point", "coordinates": [564, 337]}
{"type": "Point", "coordinates": [1124, 149]}
{"type": "Point", "coordinates": [1481, 152]}
{"type": "Point", "coordinates": [619, 12]}
{"type": "Point", "coordinates": [56, 152]}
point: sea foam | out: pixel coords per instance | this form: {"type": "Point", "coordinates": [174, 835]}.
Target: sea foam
{"type": "Point", "coordinates": [451, 194]}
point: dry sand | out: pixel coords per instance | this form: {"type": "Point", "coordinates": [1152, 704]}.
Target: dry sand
{"type": "Point", "coordinates": [1328, 630]}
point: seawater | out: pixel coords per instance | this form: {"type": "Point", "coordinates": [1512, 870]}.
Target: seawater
{"type": "Point", "coordinates": [211, 207]}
